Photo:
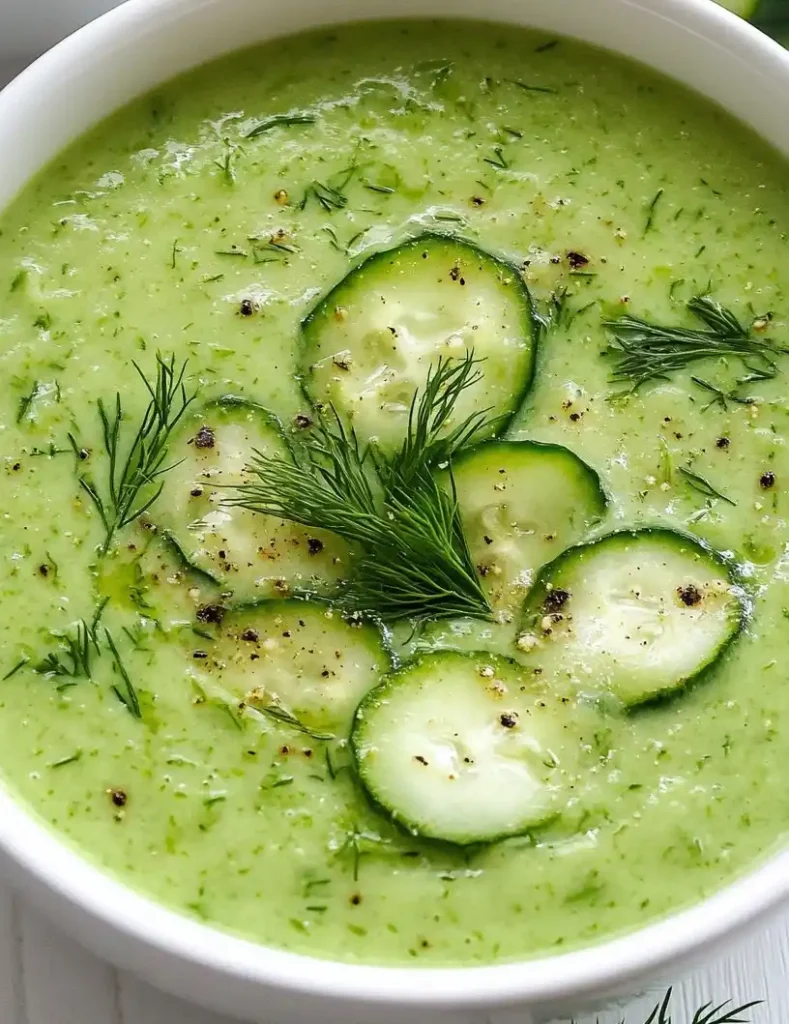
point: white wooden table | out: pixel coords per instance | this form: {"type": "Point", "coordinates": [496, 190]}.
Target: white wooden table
{"type": "Point", "coordinates": [46, 978]}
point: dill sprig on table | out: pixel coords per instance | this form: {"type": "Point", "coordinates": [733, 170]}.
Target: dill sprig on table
{"type": "Point", "coordinates": [723, 1013]}
{"type": "Point", "coordinates": [414, 560]}
{"type": "Point", "coordinates": [133, 480]}
{"type": "Point", "coordinates": [647, 351]}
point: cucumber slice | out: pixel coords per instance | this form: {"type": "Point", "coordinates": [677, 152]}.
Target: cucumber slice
{"type": "Point", "coordinates": [297, 662]}
{"type": "Point", "coordinates": [522, 502]}
{"type": "Point", "coordinates": [369, 343]}
{"type": "Point", "coordinates": [639, 613]}
{"type": "Point", "coordinates": [252, 555]}
{"type": "Point", "coordinates": [463, 748]}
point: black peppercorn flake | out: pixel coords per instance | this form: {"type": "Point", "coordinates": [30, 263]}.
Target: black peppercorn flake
{"type": "Point", "coordinates": [118, 797]}
{"type": "Point", "coordinates": [689, 595]}
{"type": "Point", "coordinates": [204, 438]}
{"type": "Point", "coordinates": [315, 546]}
{"type": "Point", "coordinates": [509, 719]}
{"type": "Point", "coordinates": [211, 613]}
{"type": "Point", "coordinates": [577, 259]}
{"type": "Point", "coordinates": [246, 308]}
{"type": "Point", "coordinates": [766, 480]}
{"type": "Point", "coordinates": [555, 599]}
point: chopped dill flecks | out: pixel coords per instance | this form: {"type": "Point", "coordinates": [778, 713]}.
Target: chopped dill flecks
{"type": "Point", "coordinates": [66, 760]}
{"type": "Point", "coordinates": [527, 87]}
{"type": "Point", "coordinates": [26, 401]}
{"type": "Point", "coordinates": [17, 668]}
{"type": "Point", "coordinates": [498, 160]}
{"type": "Point", "coordinates": [651, 208]}
{"type": "Point", "coordinates": [703, 486]}
{"type": "Point", "coordinates": [328, 197]}
{"type": "Point", "coordinates": [127, 695]}
{"type": "Point", "coordinates": [279, 121]}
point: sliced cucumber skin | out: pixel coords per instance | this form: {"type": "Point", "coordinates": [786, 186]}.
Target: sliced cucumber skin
{"type": "Point", "coordinates": [346, 288]}
{"type": "Point", "coordinates": [737, 620]}
{"type": "Point", "coordinates": [479, 469]}
{"type": "Point", "coordinates": [306, 695]}
{"type": "Point", "coordinates": [361, 744]}
{"type": "Point", "coordinates": [239, 581]}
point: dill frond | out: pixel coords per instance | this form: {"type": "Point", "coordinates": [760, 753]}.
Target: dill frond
{"type": "Point", "coordinates": [647, 351]}
{"type": "Point", "coordinates": [132, 484]}
{"type": "Point", "coordinates": [414, 560]}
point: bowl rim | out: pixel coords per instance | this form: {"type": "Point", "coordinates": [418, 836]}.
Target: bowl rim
{"type": "Point", "coordinates": [99, 907]}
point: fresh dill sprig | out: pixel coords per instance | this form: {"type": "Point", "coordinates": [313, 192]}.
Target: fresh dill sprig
{"type": "Point", "coordinates": [74, 654]}
{"type": "Point", "coordinates": [226, 163]}
{"type": "Point", "coordinates": [425, 444]}
{"type": "Point", "coordinates": [720, 397]}
{"type": "Point", "coordinates": [126, 694]}
{"type": "Point", "coordinates": [414, 560]}
{"type": "Point", "coordinates": [132, 480]}
{"type": "Point", "coordinates": [551, 314]}
{"type": "Point", "coordinates": [498, 160]}
{"type": "Point", "coordinates": [358, 844]}
{"type": "Point", "coordinates": [63, 761]}
{"type": "Point", "coordinates": [16, 668]}
{"type": "Point", "coordinates": [530, 88]}
{"type": "Point", "coordinates": [328, 197]}
{"type": "Point", "coordinates": [647, 351]}
{"type": "Point", "coordinates": [275, 709]}
{"type": "Point", "coordinates": [651, 208]}
{"type": "Point", "coordinates": [273, 250]}
{"type": "Point", "coordinates": [703, 486]}
{"type": "Point", "coordinates": [26, 401]}
{"type": "Point", "coordinates": [278, 121]}
{"type": "Point", "coordinates": [723, 1013]}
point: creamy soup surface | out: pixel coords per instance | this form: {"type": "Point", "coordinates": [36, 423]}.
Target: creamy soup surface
{"type": "Point", "coordinates": [153, 706]}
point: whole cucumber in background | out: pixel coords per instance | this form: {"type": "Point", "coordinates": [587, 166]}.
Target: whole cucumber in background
{"type": "Point", "coordinates": [772, 16]}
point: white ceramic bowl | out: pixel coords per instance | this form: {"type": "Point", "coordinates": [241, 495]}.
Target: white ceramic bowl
{"type": "Point", "coordinates": [127, 52]}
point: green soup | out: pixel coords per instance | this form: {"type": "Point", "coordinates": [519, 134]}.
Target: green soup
{"type": "Point", "coordinates": [170, 709]}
